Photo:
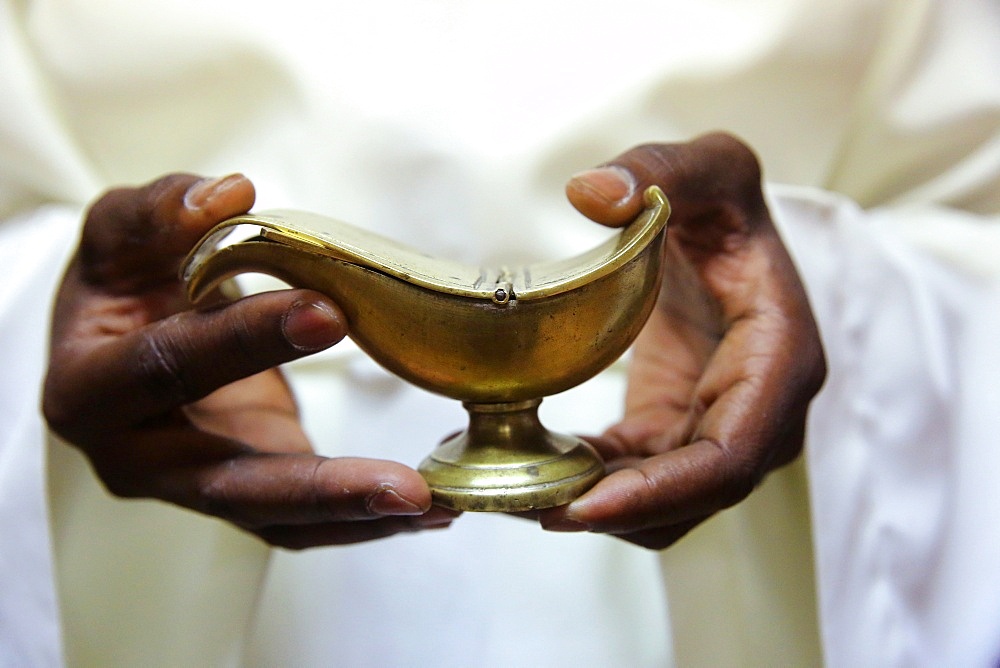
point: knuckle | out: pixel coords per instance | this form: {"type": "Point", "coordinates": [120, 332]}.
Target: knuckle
{"type": "Point", "coordinates": [110, 204]}
{"type": "Point", "coordinates": [803, 362]}
{"type": "Point", "coordinates": [328, 502]}
{"type": "Point", "coordinates": [739, 484]}
{"type": "Point", "coordinates": [69, 410]}
{"type": "Point", "coordinates": [110, 212]}
{"type": "Point", "coordinates": [117, 473]}
{"type": "Point", "coordinates": [132, 226]}
{"type": "Point", "coordinates": [215, 496]}
{"type": "Point", "coordinates": [244, 334]}
{"type": "Point", "coordinates": [59, 415]}
{"type": "Point", "coordinates": [715, 178]}
{"type": "Point", "coordinates": [315, 497]}
{"type": "Point", "coordinates": [248, 335]}
{"type": "Point", "coordinates": [721, 153]}
{"type": "Point", "coordinates": [739, 474]}
{"type": "Point", "coordinates": [160, 370]}
{"type": "Point", "coordinates": [806, 376]}
{"type": "Point", "coordinates": [790, 450]}
{"type": "Point", "coordinates": [733, 149]}
{"type": "Point", "coordinates": [817, 368]}
{"type": "Point", "coordinates": [659, 161]}
{"type": "Point", "coordinates": [163, 198]}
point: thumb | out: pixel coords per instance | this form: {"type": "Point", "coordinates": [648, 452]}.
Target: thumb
{"type": "Point", "coordinates": [606, 195]}
{"type": "Point", "coordinates": [136, 237]}
{"type": "Point", "coordinates": [712, 174]}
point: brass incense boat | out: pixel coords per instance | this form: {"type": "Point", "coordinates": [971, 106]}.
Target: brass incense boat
{"type": "Point", "coordinates": [499, 339]}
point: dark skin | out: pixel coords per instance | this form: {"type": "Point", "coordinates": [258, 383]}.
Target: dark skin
{"type": "Point", "coordinates": [724, 371]}
{"type": "Point", "coordinates": [186, 406]}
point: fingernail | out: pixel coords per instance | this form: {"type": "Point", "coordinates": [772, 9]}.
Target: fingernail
{"type": "Point", "coordinates": [388, 501]}
{"type": "Point", "coordinates": [566, 525]}
{"type": "Point", "coordinates": [312, 326]}
{"type": "Point", "coordinates": [202, 192]}
{"type": "Point", "coordinates": [614, 185]}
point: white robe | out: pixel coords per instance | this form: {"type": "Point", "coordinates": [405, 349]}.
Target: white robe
{"type": "Point", "coordinates": [452, 127]}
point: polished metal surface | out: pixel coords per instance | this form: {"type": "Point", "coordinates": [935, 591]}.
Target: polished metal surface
{"type": "Point", "coordinates": [497, 340]}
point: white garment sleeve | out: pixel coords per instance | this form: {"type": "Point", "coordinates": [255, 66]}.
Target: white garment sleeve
{"type": "Point", "coordinates": [902, 444]}
{"type": "Point", "coordinates": [33, 250]}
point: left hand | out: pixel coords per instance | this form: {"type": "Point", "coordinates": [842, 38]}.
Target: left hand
{"type": "Point", "coordinates": [724, 371]}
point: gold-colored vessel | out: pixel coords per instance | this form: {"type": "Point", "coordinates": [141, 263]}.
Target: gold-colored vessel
{"type": "Point", "coordinates": [499, 340]}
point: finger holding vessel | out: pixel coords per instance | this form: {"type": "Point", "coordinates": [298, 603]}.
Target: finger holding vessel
{"type": "Point", "coordinates": [497, 339]}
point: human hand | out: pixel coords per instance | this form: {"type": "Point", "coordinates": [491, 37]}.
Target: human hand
{"type": "Point", "coordinates": [723, 373]}
{"type": "Point", "coordinates": [186, 406]}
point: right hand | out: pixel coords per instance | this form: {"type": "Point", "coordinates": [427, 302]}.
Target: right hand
{"type": "Point", "coordinates": [186, 406]}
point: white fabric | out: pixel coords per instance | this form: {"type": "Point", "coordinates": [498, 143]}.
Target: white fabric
{"type": "Point", "coordinates": [903, 449]}
{"type": "Point", "coordinates": [452, 126]}
{"type": "Point", "coordinates": [29, 624]}
{"type": "Point", "coordinates": [490, 589]}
